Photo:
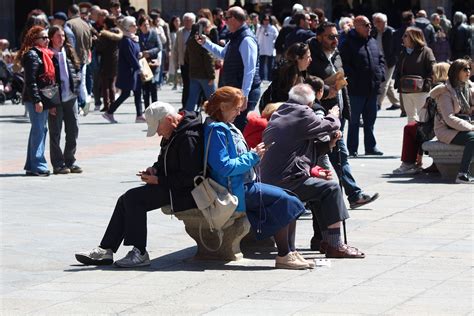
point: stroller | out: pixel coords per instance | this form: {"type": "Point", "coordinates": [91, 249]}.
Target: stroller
{"type": "Point", "coordinates": [11, 85]}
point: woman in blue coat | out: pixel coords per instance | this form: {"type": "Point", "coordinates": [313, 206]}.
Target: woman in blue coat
{"type": "Point", "coordinates": [128, 78]}
{"type": "Point", "coordinates": [270, 210]}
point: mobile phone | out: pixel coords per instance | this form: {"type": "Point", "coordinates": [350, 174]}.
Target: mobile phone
{"type": "Point", "coordinates": [268, 145]}
{"type": "Point", "coordinates": [200, 30]}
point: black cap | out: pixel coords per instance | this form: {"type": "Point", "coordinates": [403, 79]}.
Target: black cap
{"type": "Point", "coordinates": [60, 16]}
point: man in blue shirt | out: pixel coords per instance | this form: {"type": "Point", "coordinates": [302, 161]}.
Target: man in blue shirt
{"type": "Point", "coordinates": [241, 64]}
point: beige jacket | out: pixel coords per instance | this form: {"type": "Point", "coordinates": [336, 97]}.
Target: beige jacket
{"type": "Point", "coordinates": [446, 124]}
{"type": "Point", "coordinates": [83, 34]}
{"type": "Point", "coordinates": [179, 48]}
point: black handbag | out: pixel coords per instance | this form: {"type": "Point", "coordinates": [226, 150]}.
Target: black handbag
{"type": "Point", "coordinates": [50, 96]}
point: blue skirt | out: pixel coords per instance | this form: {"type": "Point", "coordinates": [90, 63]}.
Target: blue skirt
{"type": "Point", "coordinates": [270, 208]}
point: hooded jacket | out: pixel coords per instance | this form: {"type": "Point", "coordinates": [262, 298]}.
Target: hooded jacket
{"type": "Point", "coordinates": [446, 124]}
{"type": "Point", "coordinates": [180, 160]}
{"type": "Point", "coordinates": [107, 49]}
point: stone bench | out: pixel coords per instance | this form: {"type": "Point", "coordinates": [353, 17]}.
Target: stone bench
{"type": "Point", "coordinates": [234, 231]}
{"type": "Point", "coordinates": [447, 157]}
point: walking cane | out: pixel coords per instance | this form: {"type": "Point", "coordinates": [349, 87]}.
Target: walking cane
{"type": "Point", "coordinates": [339, 165]}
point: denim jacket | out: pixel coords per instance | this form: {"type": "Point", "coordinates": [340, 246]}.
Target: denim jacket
{"type": "Point", "coordinates": [226, 167]}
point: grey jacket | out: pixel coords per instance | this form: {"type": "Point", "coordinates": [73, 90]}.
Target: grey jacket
{"type": "Point", "coordinates": [295, 129]}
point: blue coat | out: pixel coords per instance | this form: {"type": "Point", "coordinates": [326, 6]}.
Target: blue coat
{"type": "Point", "coordinates": [363, 64]}
{"type": "Point", "coordinates": [128, 77]}
{"type": "Point", "coordinates": [223, 162]}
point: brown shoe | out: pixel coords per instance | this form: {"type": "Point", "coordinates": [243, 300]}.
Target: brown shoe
{"type": "Point", "coordinates": [309, 262]}
{"type": "Point", "coordinates": [344, 251]}
{"type": "Point", "coordinates": [290, 261]}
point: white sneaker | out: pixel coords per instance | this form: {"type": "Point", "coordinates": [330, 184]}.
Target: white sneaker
{"type": "Point", "coordinates": [407, 168]}
{"type": "Point", "coordinates": [290, 261]}
{"type": "Point", "coordinates": [133, 259]}
{"type": "Point", "coordinates": [464, 178]}
{"type": "Point", "coordinates": [97, 256]}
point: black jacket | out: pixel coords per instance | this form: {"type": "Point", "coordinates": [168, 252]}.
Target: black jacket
{"type": "Point", "coordinates": [321, 67]}
{"type": "Point", "coordinates": [364, 66]}
{"type": "Point", "coordinates": [298, 35]}
{"type": "Point", "coordinates": [74, 75]}
{"type": "Point", "coordinates": [184, 153]}
{"type": "Point", "coordinates": [32, 63]}
{"type": "Point", "coordinates": [459, 38]}
{"type": "Point", "coordinates": [387, 44]}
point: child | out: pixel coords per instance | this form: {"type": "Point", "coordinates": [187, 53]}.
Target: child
{"type": "Point", "coordinates": [256, 124]}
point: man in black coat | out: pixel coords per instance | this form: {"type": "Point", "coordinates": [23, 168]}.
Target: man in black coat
{"type": "Point", "coordinates": [301, 33]}
{"type": "Point", "coordinates": [325, 61]}
{"type": "Point", "coordinates": [364, 67]}
{"type": "Point", "coordinates": [168, 182]}
{"type": "Point", "coordinates": [384, 36]}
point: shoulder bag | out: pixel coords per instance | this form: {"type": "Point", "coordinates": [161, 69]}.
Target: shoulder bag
{"type": "Point", "coordinates": [411, 83]}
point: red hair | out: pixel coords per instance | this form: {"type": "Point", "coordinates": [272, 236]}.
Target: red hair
{"type": "Point", "coordinates": [224, 99]}
{"type": "Point", "coordinates": [29, 41]}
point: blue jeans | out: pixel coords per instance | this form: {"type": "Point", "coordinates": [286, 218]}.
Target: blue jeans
{"type": "Point", "coordinates": [241, 119]}
{"type": "Point", "coordinates": [82, 97]}
{"type": "Point", "coordinates": [367, 106]}
{"type": "Point", "coordinates": [195, 88]}
{"type": "Point", "coordinates": [35, 160]}
{"type": "Point", "coordinates": [465, 139]}
{"type": "Point", "coordinates": [266, 66]}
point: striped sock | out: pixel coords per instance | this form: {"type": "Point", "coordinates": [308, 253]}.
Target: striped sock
{"type": "Point", "coordinates": [334, 237]}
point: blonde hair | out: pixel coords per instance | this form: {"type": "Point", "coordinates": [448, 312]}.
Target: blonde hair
{"type": "Point", "coordinates": [270, 108]}
{"type": "Point", "coordinates": [440, 72]}
{"type": "Point", "coordinates": [416, 36]}
{"type": "Point", "coordinates": [224, 99]}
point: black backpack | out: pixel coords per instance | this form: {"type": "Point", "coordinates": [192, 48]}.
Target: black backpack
{"type": "Point", "coordinates": [425, 130]}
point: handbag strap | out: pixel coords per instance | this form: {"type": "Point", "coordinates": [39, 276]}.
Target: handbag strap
{"type": "Point", "coordinates": [206, 154]}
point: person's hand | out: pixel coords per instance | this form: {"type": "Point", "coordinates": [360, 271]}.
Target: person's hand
{"type": "Point", "coordinates": [149, 179]}
{"type": "Point", "coordinates": [334, 111]}
{"type": "Point", "coordinates": [325, 174]}
{"type": "Point", "coordinates": [52, 111]}
{"type": "Point", "coordinates": [260, 150]}
{"type": "Point", "coordinates": [140, 55]}
{"type": "Point", "coordinates": [200, 39]}
{"type": "Point", "coordinates": [335, 137]}
{"type": "Point", "coordinates": [38, 107]}
{"type": "Point", "coordinates": [149, 171]}
{"type": "Point", "coordinates": [146, 54]}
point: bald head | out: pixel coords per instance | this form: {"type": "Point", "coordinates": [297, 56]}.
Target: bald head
{"type": "Point", "coordinates": [362, 26]}
{"type": "Point", "coordinates": [235, 18]}
{"type": "Point", "coordinates": [238, 13]}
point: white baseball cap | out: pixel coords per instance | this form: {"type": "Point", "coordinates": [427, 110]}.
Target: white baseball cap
{"type": "Point", "coordinates": [155, 113]}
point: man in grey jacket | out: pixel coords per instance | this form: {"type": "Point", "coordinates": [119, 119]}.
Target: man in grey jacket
{"type": "Point", "coordinates": [296, 133]}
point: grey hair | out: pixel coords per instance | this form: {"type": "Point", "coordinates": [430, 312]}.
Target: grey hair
{"type": "Point", "coordinates": [434, 16]}
{"type": "Point", "coordinates": [302, 93]}
{"type": "Point", "coordinates": [190, 15]}
{"type": "Point", "coordinates": [204, 22]}
{"type": "Point", "coordinates": [459, 17]}
{"type": "Point", "coordinates": [127, 22]}
{"type": "Point", "coordinates": [343, 21]}
{"type": "Point", "coordinates": [379, 15]}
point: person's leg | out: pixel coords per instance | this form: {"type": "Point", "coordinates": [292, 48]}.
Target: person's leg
{"type": "Point", "coordinates": [465, 139]}
{"type": "Point", "coordinates": [97, 86]}
{"type": "Point", "coordinates": [410, 145]}
{"type": "Point", "coordinates": [409, 104]}
{"type": "Point", "coordinates": [35, 160]}
{"type": "Point", "coordinates": [194, 90]}
{"type": "Point", "coordinates": [185, 78]}
{"type": "Point", "coordinates": [105, 84]}
{"type": "Point", "coordinates": [128, 221]}
{"type": "Point", "coordinates": [207, 89]}
{"type": "Point", "coordinates": [369, 115]}
{"type": "Point", "coordinates": [55, 124]}
{"type": "Point", "coordinates": [123, 96]}
{"type": "Point", "coordinates": [241, 119]}
{"type": "Point", "coordinates": [146, 93]}
{"type": "Point", "coordinates": [384, 87]}
{"type": "Point", "coordinates": [262, 67]}
{"type": "Point", "coordinates": [71, 127]}
{"type": "Point", "coordinates": [82, 87]}
{"type": "Point", "coordinates": [154, 91]}
{"type": "Point", "coordinates": [137, 96]}
{"type": "Point", "coordinates": [357, 104]}
{"type": "Point", "coordinates": [420, 102]}
{"type": "Point", "coordinates": [392, 95]}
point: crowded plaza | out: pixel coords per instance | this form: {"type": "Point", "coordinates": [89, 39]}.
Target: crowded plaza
{"type": "Point", "coordinates": [297, 159]}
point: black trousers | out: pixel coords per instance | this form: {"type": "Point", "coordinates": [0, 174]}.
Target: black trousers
{"type": "Point", "coordinates": [185, 78]}
{"type": "Point", "coordinates": [128, 222]}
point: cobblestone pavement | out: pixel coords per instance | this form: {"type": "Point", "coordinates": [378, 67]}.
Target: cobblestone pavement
{"type": "Point", "coordinates": [417, 237]}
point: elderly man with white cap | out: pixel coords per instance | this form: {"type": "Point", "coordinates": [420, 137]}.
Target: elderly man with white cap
{"type": "Point", "coordinates": [181, 154]}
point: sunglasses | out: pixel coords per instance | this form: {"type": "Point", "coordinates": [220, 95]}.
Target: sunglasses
{"type": "Point", "coordinates": [44, 38]}
{"type": "Point", "coordinates": [333, 37]}
{"type": "Point", "coordinates": [467, 69]}
{"type": "Point", "coordinates": [367, 25]}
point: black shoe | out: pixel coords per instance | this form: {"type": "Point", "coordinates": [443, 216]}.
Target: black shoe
{"type": "Point", "coordinates": [75, 169]}
{"type": "Point", "coordinates": [38, 173]}
{"type": "Point", "coordinates": [104, 109]}
{"type": "Point", "coordinates": [61, 170]}
{"type": "Point", "coordinates": [393, 107]}
{"type": "Point", "coordinates": [353, 154]}
{"type": "Point", "coordinates": [379, 107]}
{"type": "Point", "coordinates": [403, 114]}
{"type": "Point", "coordinates": [374, 152]}
{"type": "Point", "coordinates": [364, 199]}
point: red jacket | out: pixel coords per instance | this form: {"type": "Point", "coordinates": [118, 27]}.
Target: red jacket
{"type": "Point", "coordinates": [254, 129]}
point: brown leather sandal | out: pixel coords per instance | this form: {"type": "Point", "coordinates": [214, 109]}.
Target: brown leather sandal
{"type": "Point", "coordinates": [344, 251]}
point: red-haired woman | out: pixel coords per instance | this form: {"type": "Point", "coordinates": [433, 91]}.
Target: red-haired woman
{"type": "Point", "coordinates": [36, 59]}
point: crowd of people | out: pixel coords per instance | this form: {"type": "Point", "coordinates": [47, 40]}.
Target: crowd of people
{"type": "Point", "coordinates": [322, 76]}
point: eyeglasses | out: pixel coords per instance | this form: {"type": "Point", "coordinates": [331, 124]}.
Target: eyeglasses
{"type": "Point", "coordinates": [467, 69]}
{"type": "Point", "coordinates": [44, 38]}
{"type": "Point", "coordinates": [333, 37]}
{"type": "Point", "coordinates": [367, 25]}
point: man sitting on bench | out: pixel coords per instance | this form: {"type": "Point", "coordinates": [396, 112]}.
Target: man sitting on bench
{"type": "Point", "coordinates": [296, 132]}
{"type": "Point", "coordinates": [168, 182]}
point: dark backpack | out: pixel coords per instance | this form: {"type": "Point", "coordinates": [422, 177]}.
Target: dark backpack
{"type": "Point", "coordinates": [425, 130]}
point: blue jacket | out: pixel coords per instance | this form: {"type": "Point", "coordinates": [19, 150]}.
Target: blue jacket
{"type": "Point", "coordinates": [363, 64]}
{"type": "Point", "coordinates": [128, 77]}
{"type": "Point", "coordinates": [223, 162]}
